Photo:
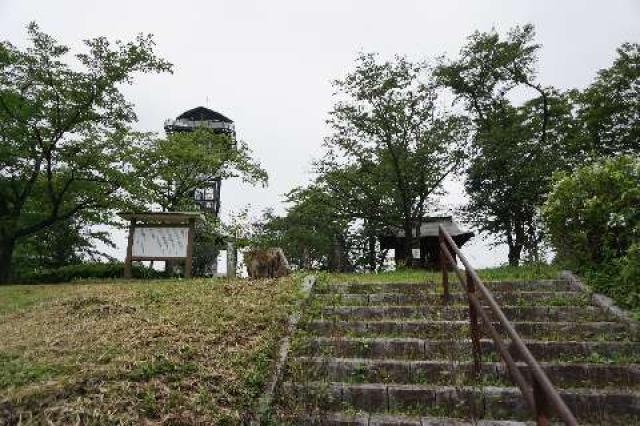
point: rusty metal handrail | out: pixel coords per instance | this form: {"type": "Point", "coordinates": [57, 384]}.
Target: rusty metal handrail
{"type": "Point", "coordinates": [541, 393]}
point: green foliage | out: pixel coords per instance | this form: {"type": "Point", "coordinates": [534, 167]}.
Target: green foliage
{"type": "Point", "coordinates": [185, 162]}
{"type": "Point", "coordinates": [160, 365]}
{"type": "Point", "coordinates": [88, 270]}
{"type": "Point", "coordinates": [392, 146]}
{"type": "Point", "coordinates": [389, 126]}
{"type": "Point", "coordinates": [182, 162]}
{"type": "Point", "coordinates": [618, 279]}
{"type": "Point", "coordinates": [207, 241]}
{"type": "Point", "coordinates": [594, 224]}
{"type": "Point", "coordinates": [64, 243]}
{"type": "Point", "coordinates": [312, 233]}
{"type": "Point", "coordinates": [592, 214]}
{"type": "Point", "coordinates": [610, 107]}
{"type": "Point", "coordinates": [66, 142]}
{"type": "Point", "coordinates": [515, 148]}
{"type": "Point", "coordinates": [627, 282]}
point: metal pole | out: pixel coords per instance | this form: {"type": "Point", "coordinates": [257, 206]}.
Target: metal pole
{"type": "Point", "coordinates": [473, 321]}
{"type": "Point", "coordinates": [445, 269]}
{"type": "Point", "coordinates": [551, 396]}
{"type": "Point", "coordinates": [231, 259]}
{"type": "Point", "coordinates": [542, 406]}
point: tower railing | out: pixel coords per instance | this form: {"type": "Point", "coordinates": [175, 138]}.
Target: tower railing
{"type": "Point", "coordinates": [190, 124]}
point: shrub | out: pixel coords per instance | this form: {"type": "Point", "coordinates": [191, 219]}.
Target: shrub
{"type": "Point", "coordinates": [593, 220]}
{"type": "Point", "coordinates": [88, 270]}
{"type": "Point", "coordinates": [592, 215]}
{"type": "Point", "coordinates": [619, 279]}
{"type": "Point", "coordinates": [627, 281]}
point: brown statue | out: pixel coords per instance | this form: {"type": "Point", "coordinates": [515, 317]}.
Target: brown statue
{"type": "Point", "coordinates": [266, 263]}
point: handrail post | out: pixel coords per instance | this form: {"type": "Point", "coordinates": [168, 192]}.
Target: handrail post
{"type": "Point", "coordinates": [473, 322]}
{"type": "Point", "coordinates": [542, 406]}
{"type": "Point", "coordinates": [445, 268]}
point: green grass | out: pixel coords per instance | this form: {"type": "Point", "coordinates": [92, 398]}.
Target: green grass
{"type": "Point", "coordinates": [526, 272]}
{"type": "Point", "coordinates": [139, 352]}
{"type": "Point", "coordinates": [17, 297]}
{"type": "Point", "coordinates": [18, 372]}
{"type": "Point", "coordinates": [533, 271]}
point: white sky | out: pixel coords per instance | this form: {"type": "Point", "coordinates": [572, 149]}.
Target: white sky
{"type": "Point", "coordinates": [268, 64]}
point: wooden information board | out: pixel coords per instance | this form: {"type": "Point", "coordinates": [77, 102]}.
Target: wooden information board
{"type": "Point", "coordinates": [164, 236]}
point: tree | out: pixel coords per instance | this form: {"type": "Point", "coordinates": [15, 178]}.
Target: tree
{"type": "Point", "coordinates": [64, 243]}
{"type": "Point", "coordinates": [182, 162]}
{"type": "Point", "coordinates": [65, 136]}
{"type": "Point", "coordinates": [360, 196]}
{"type": "Point", "coordinates": [610, 108]}
{"type": "Point", "coordinates": [313, 233]}
{"type": "Point", "coordinates": [515, 148]}
{"type": "Point", "coordinates": [392, 143]}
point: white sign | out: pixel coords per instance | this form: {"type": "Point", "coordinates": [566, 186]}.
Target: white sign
{"type": "Point", "coordinates": [160, 242]}
{"type": "Point", "coordinates": [415, 253]}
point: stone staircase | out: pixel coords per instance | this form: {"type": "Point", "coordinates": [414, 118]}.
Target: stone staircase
{"type": "Point", "coordinates": [392, 354]}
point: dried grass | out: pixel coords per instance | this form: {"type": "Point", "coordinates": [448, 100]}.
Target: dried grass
{"type": "Point", "coordinates": [162, 352]}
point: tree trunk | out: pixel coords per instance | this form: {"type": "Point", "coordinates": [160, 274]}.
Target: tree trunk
{"type": "Point", "coordinates": [514, 254]}
{"type": "Point", "coordinates": [306, 259]}
{"type": "Point", "coordinates": [371, 254]}
{"type": "Point", "coordinates": [6, 254]}
{"type": "Point", "coordinates": [403, 254]}
{"type": "Point", "coordinates": [338, 258]}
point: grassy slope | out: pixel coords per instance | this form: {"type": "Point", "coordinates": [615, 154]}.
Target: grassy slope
{"type": "Point", "coordinates": [138, 352]}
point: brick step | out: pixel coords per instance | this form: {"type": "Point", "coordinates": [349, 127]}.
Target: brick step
{"type": "Point", "coordinates": [524, 298]}
{"type": "Point", "coordinates": [488, 402]}
{"type": "Point", "coordinates": [363, 370]}
{"type": "Point", "coordinates": [413, 287]}
{"type": "Point", "coordinates": [428, 329]}
{"type": "Point", "coordinates": [513, 313]}
{"type": "Point", "coordinates": [367, 419]}
{"type": "Point", "coordinates": [460, 349]}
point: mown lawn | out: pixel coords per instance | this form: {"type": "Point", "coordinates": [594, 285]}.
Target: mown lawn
{"type": "Point", "coordinates": [139, 352]}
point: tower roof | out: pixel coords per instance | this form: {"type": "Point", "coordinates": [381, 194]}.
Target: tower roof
{"type": "Point", "coordinates": [203, 114]}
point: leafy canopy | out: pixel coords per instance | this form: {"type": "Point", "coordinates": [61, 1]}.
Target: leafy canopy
{"type": "Point", "coordinates": [392, 144]}
{"type": "Point", "coordinates": [515, 147]}
{"type": "Point", "coordinates": [66, 143]}
{"type": "Point", "coordinates": [182, 162]}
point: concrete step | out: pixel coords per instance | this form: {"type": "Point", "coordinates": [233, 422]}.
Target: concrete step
{"type": "Point", "coordinates": [392, 354]}
{"type": "Point", "coordinates": [453, 313]}
{"type": "Point", "coordinates": [428, 329]}
{"type": "Point", "coordinates": [367, 419]}
{"type": "Point", "coordinates": [413, 287]}
{"type": "Point", "coordinates": [487, 402]}
{"type": "Point", "coordinates": [363, 370]}
{"type": "Point", "coordinates": [460, 349]}
{"type": "Point", "coordinates": [524, 298]}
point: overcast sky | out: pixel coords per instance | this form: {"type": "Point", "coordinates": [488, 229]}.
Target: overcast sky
{"type": "Point", "coordinates": [268, 65]}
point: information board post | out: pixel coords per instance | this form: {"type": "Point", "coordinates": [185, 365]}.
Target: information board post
{"type": "Point", "coordinates": [188, 263]}
{"type": "Point", "coordinates": [128, 260]}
